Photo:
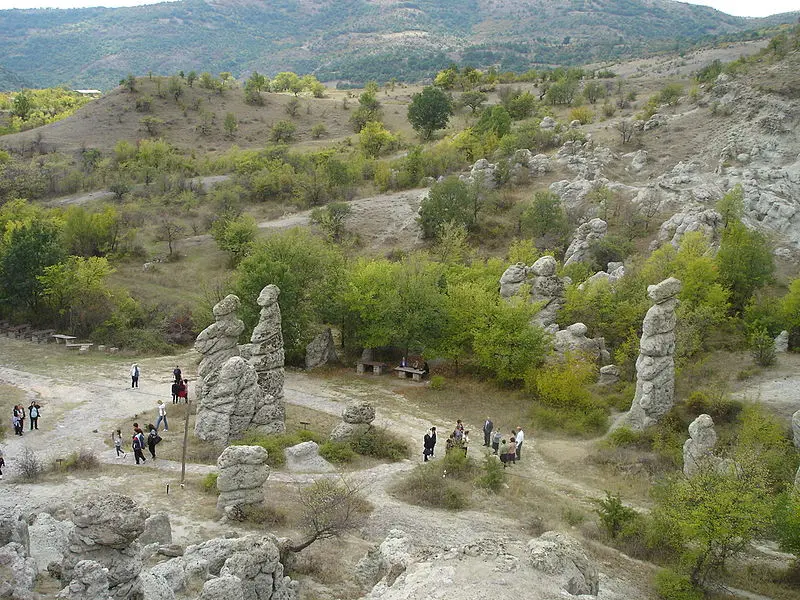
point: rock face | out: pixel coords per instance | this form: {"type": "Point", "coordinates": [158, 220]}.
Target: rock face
{"type": "Point", "coordinates": [782, 342]}
{"type": "Point", "coordinates": [547, 288]}
{"type": "Point", "coordinates": [243, 470]}
{"type": "Point", "coordinates": [613, 273]}
{"type": "Point", "coordinates": [573, 340]}
{"type": "Point", "coordinates": [796, 429]}
{"type": "Point", "coordinates": [560, 555]}
{"type": "Point", "coordinates": [14, 528]}
{"type": "Point", "coordinates": [89, 582]}
{"type": "Point", "coordinates": [698, 450]}
{"type": "Point", "coordinates": [305, 458]}
{"type": "Point", "coordinates": [356, 420]}
{"type": "Point", "coordinates": [235, 394]}
{"type": "Point", "coordinates": [321, 350]}
{"type": "Point", "coordinates": [609, 375]}
{"type": "Point", "coordinates": [694, 218]}
{"type": "Point", "coordinates": [587, 233]}
{"type": "Point", "coordinates": [157, 530]}
{"type": "Point", "coordinates": [21, 571]}
{"type": "Point", "coordinates": [512, 279]}
{"type": "Point", "coordinates": [267, 357]}
{"type": "Point", "coordinates": [655, 367]}
{"type": "Point", "coordinates": [49, 539]}
{"type": "Point", "coordinates": [105, 532]}
{"type": "Point", "coordinates": [245, 568]}
{"type": "Point", "coordinates": [380, 567]}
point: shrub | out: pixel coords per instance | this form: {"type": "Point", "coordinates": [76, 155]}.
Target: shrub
{"type": "Point", "coordinates": [762, 347]}
{"type": "Point", "coordinates": [457, 465]}
{"type": "Point", "coordinates": [625, 437]}
{"type": "Point", "coordinates": [81, 460]}
{"type": "Point", "coordinates": [29, 466]}
{"type": "Point", "coordinates": [583, 114]}
{"type": "Point", "coordinates": [275, 444]}
{"type": "Point", "coordinates": [379, 443]}
{"type": "Point", "coordinates": [721, 409]}
{"type": "Point", "coordinates": [283, 131]}
{"type": "Point", "coordinates": [437, 382]}
{"type": "Point", "coordinates": [337, 452]}
{"type": "Point", "coordinates": [209, 483]}
{"type": "Point", "coordinates": [494, 475]}
{"type": "Point", "coordinates": [572, 516]}
{"type": "Point", "coordinates": [674, 586]}
{"type": "Point", "coordinates": [265, 514]}
{"type": "Point", "coordinates": [319, 130]}
{"type": "Point", "coordinates": [614, 515]}
{"type": "Point", "coordinates": [425, 486]}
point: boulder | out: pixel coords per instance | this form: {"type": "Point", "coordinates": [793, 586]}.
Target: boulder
{"type": "Point", "coordinates": [243, 470]}
{"type": "Point", "coordinates": [14, 528]}
{"type": "Point", "coordinates": [560, 555]}
{"type": "Point", "coordinates": [155, 588]}
{"type": "Point", "coordinates": [547, 123]}
{"type": "Point", "coordinates": [157, 530]}
{"type": "Point", "coordinates": [305, 458]}
{"type": "Point", "coordinates": [796, 429]}
{"type": "Point", "coordinates": [228, 587]}
{"type": "Point", "coordinates": [573, 340]}
{"type": "Point", "coordinates": [512, 279]}
{"type": "Point", "coordinates": [358, 411]}
{"type": "Point", "coordinates": [344, 432]}
{"type": "Point", "coordinates": [782, 342]}
{"type": "Point", "coordinates": [609, 375]}
{"type": "Point", "coordinates": [21, 568]}
{"type": "Point", "coordinates": [321, 350]}
{"type": "Point", "coordinates": [698, 450]}
{"type": "Point", "coordinates": [587, 233]}
{"type": "Point", "coordinates": [267, 356]}
{"type": "Point", "coordinates": [49, 539]}
{"type": "Point", "coordinates": [89, 582]}
{"type": "Point", "coordinates": [385, 561]}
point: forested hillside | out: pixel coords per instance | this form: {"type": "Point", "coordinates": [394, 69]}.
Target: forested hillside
{"type": "Point", "coordinates": [352, 40]}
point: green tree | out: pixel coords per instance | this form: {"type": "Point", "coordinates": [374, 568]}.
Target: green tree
{"type": "Point", "coordinates": [191, 77]}
{"type": "Point", "coordinates": [283, 131]}
{"type": "Point", "coordinates": [235, 235]}
{"type": "Point", "coordinates": [731, 205]}
{"type": "Point", "coordinates": [21, 106]}
{"type": "Point", "coordinates": [331, 219]}
{"type": "Point", "coordinates": [310, 275]}
{"type": "Point", "coordinates": [230, 124]}
{"type": "Point", "coordinates": [257, 82]}
{"type": "Point", "coordinates": [545, 219]}
{"type": "Point", "coordinates": [449, 201]}
{"type": "Point", "coordinates": [369, 109]}
{"type": "Point", "coordinates": [744, 261]}
{"type": "Point", "coordinates": [176, 87]}
{"type": "Point", "coordinates": [594, 91]}
{"type": "Point", "coordinates": [285, 81]}
{"type": "Point", "coordinates": [494, 120]}
{"type": "Point", "coordinates": [473, 99]}
{"type": "Point", "coordinates": [430, 110]}
{"type": "Point", "coordinates": [374, 138]}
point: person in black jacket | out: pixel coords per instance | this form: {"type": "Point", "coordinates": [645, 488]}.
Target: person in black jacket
{"type": "Point", "coordinates": [429, 442]}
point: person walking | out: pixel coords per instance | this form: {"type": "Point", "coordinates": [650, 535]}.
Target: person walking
{"type": "Point", "coordinates": [487, 431]}
{"type": "Point", "coordinates": [162, 416]}
{"type": "Point", "coordinates": [21, 414]}
{"type": "Point", "coordinates": [116, 437]}
{"type": "Point", "coordinates": [152, 440]}
{"type": "Point", "coordinates": [496, 437]}
{"type": "Point", "coordinates": [15, 420]}
{"type": "Point", "coordinates": [134, 376]}
{"type": "Point", "coordinates": [176, 389]}
{"type": "Point", "coordinates": [137, 443]}
{"type": "Point", "coordinates": [33, 412]}
{"type": "Point", "coordinates": [2, 464]}
{"type": "Point", "coordinates": [520, 437]}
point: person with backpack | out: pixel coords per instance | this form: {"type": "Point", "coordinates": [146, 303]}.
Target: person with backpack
{"type": "Point", "coordinates": [137, 443]}
{"type": "Point", "coordinates": [162, 416]}
{"type": "Point", "coordinates": [134, 376]}
{"type": "Point", "coordinates": [33, 410]}
{"type": "Point", "coordinates": [152, 440]}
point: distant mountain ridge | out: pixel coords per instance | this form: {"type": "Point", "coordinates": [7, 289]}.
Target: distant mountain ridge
{"type": "Point", "coordinates": [343, 39]}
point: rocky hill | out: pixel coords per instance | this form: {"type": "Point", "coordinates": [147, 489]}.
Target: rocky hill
{"type": "Point", "coordinates": [353, 40]}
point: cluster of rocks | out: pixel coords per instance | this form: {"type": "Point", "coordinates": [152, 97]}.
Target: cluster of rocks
{"type": "Point", "coordinates": [243, 470]}
{"type": "Point", "coordinates": [357, 419]}
{"type": "Point", "coordinates": [655, 366]}
{"type": "Point", "coordinates": [578, 250]}
{"type": "Point", "coordinates": [16, 564]}
{"type": "Point", "coordinates": [584, 158]}
{"type": "Point", "coordinates": [240, 387]}
{"type": "Point", "coordinates": [694, 218]}
{"type": "Point", "coordinates": [522, 167]}
{"type": "Point", "coordinates": [698, 450]}
{"type": "Point", "coordinates": [321, 350]}
{"type": "Point", "coordinates": [547, 289]}
{"type": "Point", "coordinates": [573, 340]}
{"type": "Point", "coordinates": [613, 273]}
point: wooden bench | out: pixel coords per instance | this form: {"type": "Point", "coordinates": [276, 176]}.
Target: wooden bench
{"type": "Point", "coordinates": [60, 337]}
{"type": "Point", "coordinates": [405, 372]}
{"type": "Point", "coordinates": [376, 367]}
{"type": "Point", "coordinates": [82, 347]}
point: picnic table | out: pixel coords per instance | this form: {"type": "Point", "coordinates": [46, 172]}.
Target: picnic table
{"type": "Point", "coordinates": [376, 367]}
{"type": "Point", "coordinates": [60, 337]}
{"type": "Point", "coordinates": [405, 372]}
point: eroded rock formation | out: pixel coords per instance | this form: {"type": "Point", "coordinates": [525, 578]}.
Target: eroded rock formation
{"type": "Point", "coordinates": [655, 367]}
{"type": "Point", "coordinates": [573, 340]}
{"type": "Point", "coordinates": [243, 470]}
{"type": "Point", "coordinates": [698, 450]}
{"type": "Point", "coordinates": [321, 350]}
{"type": "Point", "coordinates": [305, 458]}
{"type": "Point", "coordinates": [796, 429]}
{"type": "Point", "coordinates": [356, 420]}
{"type": "Point", "coordinates": [587, 233]}
{"type": "Point", "coordinates": [560, 555]}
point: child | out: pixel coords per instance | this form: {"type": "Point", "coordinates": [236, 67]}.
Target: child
{"type": "Point", "coordinates": [117, 437]}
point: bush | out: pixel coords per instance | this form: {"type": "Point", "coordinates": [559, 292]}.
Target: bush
{"type": "Point", "coordinates": [624, 437]}
{"type": "Point", "coordinates": [29, 466]}
{"type": "Point", "coordinates": [583, 114]}
{"type": "Point", "coordinates": [426, 486]}
{"type": "Point", "coordinates": [674, 586]}
{"type": "Point", "coordinates": [494, 475]}
{"type": "Point", "coordinates": [283, 131]}
{"type": "Point", "coordinates": [337, 452]}
{"type": "Point", "coordinates": [209, 483]}
{"type": "Point", "coordinates": [762, 347]}
{"type": "Point", "coordinates": [721, 409]}
{"type": "Point", "coordinates": [437, 382]}
{"type": "Point", "coordinates": [81, 460]}
{"type": "Point", "coordinates": [379, 443]}
{"type": "Point", "coordinates": [614, 515]}
{"type": "Point", "coordinates": [275, 444]}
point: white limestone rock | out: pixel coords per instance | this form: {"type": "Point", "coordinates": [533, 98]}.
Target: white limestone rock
{"type": "Point", "coordinates": [358, 411]}
{"type": "Point", "coordinates": [89, 582]}
{"type": "Point", "coordinates": [796, 429]}
{"type": "Point", "coordinates": [782, 342]}
{"type": "Point", "coordinates": [587, 233]}
{"type": "Point", "coordinates": [698, 450]}
{"type": "Point", "coordinates": [321, 350]}
{"type": "Point", "coordinates": [305, 458]}
{"type": "Point", "coordinates": [560, 555]}
{"type": "Point", "coordinates": [243, 470]}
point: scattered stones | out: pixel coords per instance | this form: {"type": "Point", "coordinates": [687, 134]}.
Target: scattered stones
{"type": "Point", "coordinates": [356, 420]}
{"type": "Point", "coordinates": [321, 350]}
{"type": "Point", "coordinates": [587, 233]}
{"type": "Point", "coordinates": [655, 367]}
{"type": "Point", "coordinates": [106, 528]}
{"type": "Point", "coordinates": [243, 470]}
{"type": "Point", "coordinates": [698, 450]}
{"type": "Point", "coordinates": [782, 342]}
{"type": "Point", "coordinates": [547, 123]}
{"type": "Point", "coordinates": [305, 458]}
{"type": "Point", "coordinates": [560, 555]}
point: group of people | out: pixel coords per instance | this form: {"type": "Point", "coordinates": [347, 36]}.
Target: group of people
{"type": "Point", "coordinates": [509, 449]}
{"type": "Point", "coordinates": [138, 442]}
{"type": "Point", "coordinates": [18, 417]}
{"type": "Point", "coordinates": [180, 387]}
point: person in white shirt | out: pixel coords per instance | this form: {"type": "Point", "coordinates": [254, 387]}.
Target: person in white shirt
{"type": "Point", "coordinates": [162, 416]}
{"type": "Point", "coordinates": [520, 437]}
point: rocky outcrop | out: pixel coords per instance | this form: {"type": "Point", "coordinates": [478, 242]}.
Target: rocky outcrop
{"type": "Point", "coordinates": [321, 350]}
{"type": "Point", "coordinates": [546, 288]}
{"type": "Point", "coordinates": [89, 582]}
{"type": "Point", "coordinates": [512, 279]}
{"type": "Point", "coordinates": [655, 367]}
{"type": "Point", "coordinates": [609, 375]}
{"type": "Point", "coordinates": [356, 420]}
{"type": "Point", "coordinates": [49, 539]}
{"type": "Point", "coordinates": [105, 532]}
{"type": "Point", "coordinates": [382, 564]}
{"type": "Point", "coordinates": [267, 357]}
{"type": "Point", "coordinates": [243, 470]}
{"type": "Point", "coordinates": [21, 571]}
{"type": "Point", "coordinates": [305, 458]}
{"type": "Point", "coordinates": [560, 555]}
{"type": "Point", "coordinates": [14, 528]}
{"type": "Point", "coordinates": [694, 218]}
{"type": "Point", "coordinates": [218, 342]}
{"type": "Point", "coordinates": [782, 342]}
{"type": "Point", "coordinates": [587, 233]}
{"type": "Point", "coordinates": [796, 429]}
{"type": "Point", "coordinates": [525, 165]}
{"type": "Point", "coordinates": [573, 340]}
{"type": "Point", "coordinates": [613, 273]}
{"type": "Point", "coordinates": [698, 450]}
{"type": "Point", "coordinates": [157, 530]}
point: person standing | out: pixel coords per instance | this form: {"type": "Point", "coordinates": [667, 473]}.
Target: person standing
{"type": "Point", "coordinates": [2, 464]}
{"type": "Point", "coordinates": [116, 436]}
{"type": "Point", "coordinates": [176, 373]}
{"type": "Point", "coordinates": [21, 414]}
{"type": "Point", "coordinates": [176, 388]}
{"type": "Point", "coordinates": [15, 419]}
{"type": "Point", "coordinates": [152, 440]}
{"type": "Point", "coordinates": [183, 390]}
{"type": "Point", "coordinates": [504, 453]}
{"type": "Point", "coordinates": [33, 411]}
{"type": "Point", "coordinates": [137, 443]}
{"type": "Point", "coordinates": [429, 441]}
{"type": "Point", "coordinates": [433, 440]}
{"type": "Point", "coordinates": [134, 376]}
{"type": "Point", "coordinates": [496, 437]}
{"type": "Point", "coordinates": [520, 437]}
{"type": "Point", "coordinates": [487, 431]}
{"type": "Point", "coordinates": [162, 416]}
{"type": "Point", "coordinates": [512, 450]}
